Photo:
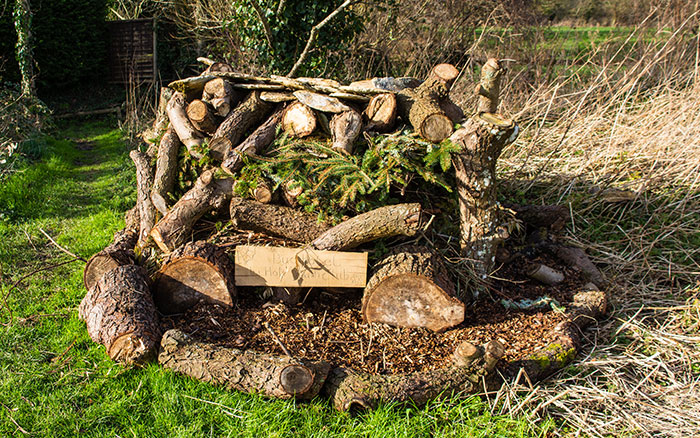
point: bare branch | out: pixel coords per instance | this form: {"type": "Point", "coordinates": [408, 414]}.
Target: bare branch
{"type": "Point", "coordinates": [314, 34]}
{"type": "Point", "coordinates": [263, 20]}
{"type": "Point", "coordinates": [280, 7]}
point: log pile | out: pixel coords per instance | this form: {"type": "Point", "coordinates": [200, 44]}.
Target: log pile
{"type": "Point", "coordinates": [223, 119]}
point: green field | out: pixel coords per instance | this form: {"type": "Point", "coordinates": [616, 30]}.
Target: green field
{"type": "Point", "coordinates": [54, 381]}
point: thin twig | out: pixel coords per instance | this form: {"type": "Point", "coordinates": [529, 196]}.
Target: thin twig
{"type": "Point", "coordinates": [226, 409]}
{"type": "Point", "coordinates": [9, 413]}
{"type": "Point", "coordinates": [62, 248]}
{"type": "Point", "coordinates": [278, 340]}
{"type": "Point", "coordinates": [266, 26]}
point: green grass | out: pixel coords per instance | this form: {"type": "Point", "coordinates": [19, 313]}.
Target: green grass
{"type": "Point", "coordinates": [55, 382]}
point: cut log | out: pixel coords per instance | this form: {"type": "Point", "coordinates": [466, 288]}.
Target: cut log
{"type": "Point", "coordinates": [452, 110]}
{"type": "Point", "coordinates": [380, 114]}
{"type": "Point", "coordinates": [440, 79]}
{"type": "Point", "coordinates": [120, 252]}
{"type": "Point", "coordinates": [208, 194]}
{"type": "Point", "coordinates": [247, 114]}
{"type": "Point", "coordinates": [218, 67]}
{"type": "Point", "coordinates": [221, 96]}
{"type": "Point", "coordinates": [197, 271]}
{"type": "Point", "coordinates": [388, 221]}
{"type": "Point", "coordinates": [275, 220]}
{"type": "Point", "coordinates": [255, 144]}
{"type": "Point", "coordinates": [262, 191]}
{"type": "Point", "coordinates": [545, 274]}
{"type": "Point", "coordinates": [350, 96]}
{"type": "Point", "coordinates": [489, 87]}
{"type": "Point", "coordinates": [298, 120]}
{"type": "Point", "coordinates": [321, 102]}
{"type": "Point", "coordinates": [258, 86]}
{"type": "Point", "coordinates": [166, 170]}
{"type": "Point", "coordinates": [120, 314]}
{"type": "Point", "coordinates": [186, 132]}
{"type": "Point", "coordinates": [345, 128]}
{"type": "Point", "coordinates": [277, 96]}
{"type": "Point", "coordinates": [482, 139]}
{"type": "Point", "coordinates": [242, 370]}
{"type": "Point", "coordinates": [291, 190]}
{"type": "Point", "coordinates": [201, 114]}
{"type": "Point", "coordinates": [577, 258]}
{"type": "Point", "coordinates": [144, 184]}
{"type": "Point", "coordinates": [410, 287]}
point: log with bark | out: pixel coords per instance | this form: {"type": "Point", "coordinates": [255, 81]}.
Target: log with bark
{"type": "Point", "coordinates": [221, 96]}
{"type": "Point", "coordinates": [120, 314]}
{"type": "Point", "coordinates": [197, 271]}
{"type": "Point", "coordinates": [119, 252]}
{"type": "Point", "coordinates": [208, 194]}
{"type": "Point", "coordinates": [345, 128]}
{"type": "Point", "coordinates": [577, 258]}
{"type": "Point", "coordinates": [166, 170]}
{"type": "Point", "coordinates": [186, 132]}
{"type": "Point", "coordinates": [202, 116]}
{"type": "Point", "coordinates": [144, 184]}
{"type": "Point", "coordinates": [254, 144]}
{"type": "Point", "coordinates": [410, 287]}
{"type": "Point", "coordinates": [298, 120]}
{"type": "Point", "coordinates": [380, 114]}
{"type": "Point", "coordinates": [243, 370]}
{"type": "Point", "coordinates": [275, 220]}
{"type": "Point", "coordinates": [161, 122]}
{"type": "Point", "coordinates": [246, 115]}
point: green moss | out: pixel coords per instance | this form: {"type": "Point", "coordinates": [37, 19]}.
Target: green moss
{"type": "Point", "coordinates": [554, 355]}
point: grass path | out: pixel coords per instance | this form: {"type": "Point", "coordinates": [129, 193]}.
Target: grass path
{"type": "Point", "coordinates": [55, 382]}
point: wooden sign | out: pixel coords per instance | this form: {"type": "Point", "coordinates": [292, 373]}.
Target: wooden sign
{"type": "Point", "coordinates": [299, 267]}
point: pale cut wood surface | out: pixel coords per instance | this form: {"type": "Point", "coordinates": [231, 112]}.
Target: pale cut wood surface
{"type": "Point", "coordinates": [299, 267]}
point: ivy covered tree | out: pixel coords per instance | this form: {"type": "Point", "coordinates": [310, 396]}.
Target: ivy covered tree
{"type": "Point", "coordinates": [22, 16]}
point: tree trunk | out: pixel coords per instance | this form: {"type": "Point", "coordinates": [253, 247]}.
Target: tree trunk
{"type": "Point", "coordinates": [380, 114]}
{"type": "Point", "coordinates": [186, 132]}
{"type": "Point", "coordinates": [221, 96]}
{"type": "Point", "coordinates": [207, 194]}
{"type": "Point", "coordinates": [275, 220]}
{"type": "Point", "coordinates": [242, 370]}
{"type": "Point", "coordinates": [120, 314]}
{"type": "Point", "coordinates": [392, 220]}
{"type": "Point", "coordinates": [255, 144]}
{"type": "Point", "coordinates": [194, 272]}
{"type": "Point", "coordinates": [201, 114]}
{"type": "Point", "coordinates": [482, 139]}
{"type": "Point", "coordinates": [166, 170]}
{"type": "Point", "coordinates": [144, 181]}
{"type": "Point", "coordinates": [410, 287]}
{"type": "Point", "coordinates": [237, 122]}
{"type": "Point", "coordinates": [298, 120]}
{"type": "Point", "coordinates": [345, 128]}
{"type": "Point", "coordinates": [119, 252]}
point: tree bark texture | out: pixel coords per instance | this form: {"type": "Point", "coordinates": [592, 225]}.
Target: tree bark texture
{"type": "Point", "coordinates": [247, 114]}
{"type": "Point", "coordinates": [482, 139]}
{"type": "Point", "coordinates": [120, 314]}
{"type": "Point", "coordinates": [410, 287]}
{"type": "Point", "coordinates": [298, 120]}
{"type": "Point", "coordinates": [255, 144]}
{"type": "Point", "coordinates": [144, 183]}
{"type": "Point", "coordinates": [166, 170]}
{"type": "Point", "coordinates": [380, 114]}
{"type": "Point", "coordinates": [243, 370]}
{"type": "Point", "coordinates": [392, 220]}
{"type": "Point", "coordinates": [186, 132]}
{"type": "Point", "coordinates": [208, 194]}
{"type": "Point", "coordinates": [197, 271]}
{"type": "Point", "coordinates": [275, 220]}
{"type": "Point", "coordinates": [345, 128]}
{"type": "Point", "coordinates": [119, 252]}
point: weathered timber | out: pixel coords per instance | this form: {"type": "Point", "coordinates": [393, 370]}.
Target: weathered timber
{"type": "Point", "coordinates": [254, 144]}
{"type": "Point", "coordinates": [186, 132]}
{"type": "Point", "coordinates": [202, 116]}
{"type": "Point", "coordinates": [192, 87]}
{"type": "Point", "coordinates": [275, 220]}
{"type": "Point", "coordinates": [218, 67]}
{"type": "Point", "coordinates": [388, 221]}
{"type": "Point", "coordinates": [410, 287]}
{"type": "Point", "coordinates": [166, 170]}
{"type": "Point", "coordinates": [388, 83]}
{"type": "Point", "coordinates": [298, 120]}
{"type": "Point", "coordinates": [247, 114]}
{"type": "Point", "coordinates": [277, 96]}
{"type": "Point", "coordinates": [161, 122]}
{"type": "Point", "coordinates": [489, 87]}
{"type": "Point", "coordinates": [380, 114]}
{"type": "Point", "coordinates": [197, 271]}
{"type": "Point", "coordinates": [545, 274]}
{"type": "Point", "coordinates": [243, 370]}
{"type": "Point", "coordinates": [321, 102]}
{"type": "Point", "coordinates": [144, 184]}
{"type": "Point", "coordinates": [482, 139]}
{"type": "Point", "coordinates": [119, 313]}
{"type": "Point", "coordinates": [208, 193]}
{"type": "Point", "coordinates": [345, 128]}
{"type": "Point", "coordinates": [119, 252]}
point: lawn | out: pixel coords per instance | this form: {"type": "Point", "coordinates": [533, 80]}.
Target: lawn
{"type": "Point", "coordinates": [54, 381]}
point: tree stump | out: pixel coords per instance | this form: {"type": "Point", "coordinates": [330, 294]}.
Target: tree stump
{"type": "Point", "coordinates": [194, 272]}
{"type": "Point", "coordinates": [120, 314]}
{"type": "Point", "coordinates": [242, 370]}
{"type": "Point", "coordinates": [410, 287]}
